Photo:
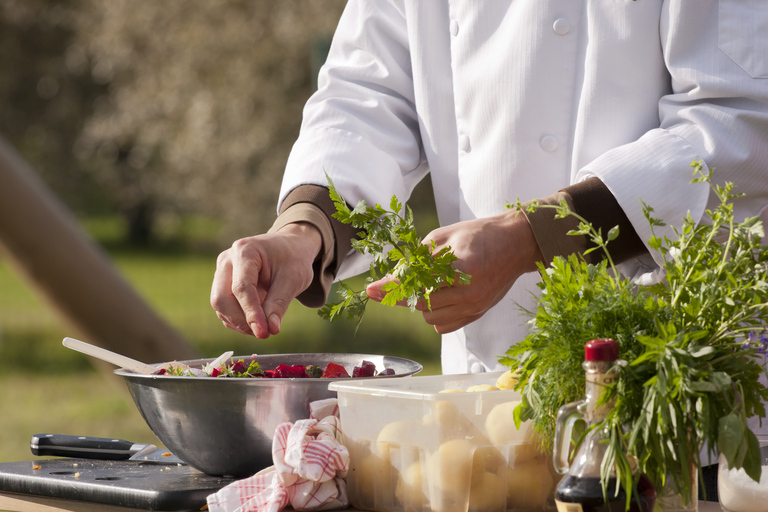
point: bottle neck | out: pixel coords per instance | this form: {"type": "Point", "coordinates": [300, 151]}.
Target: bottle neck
{"type": "Point", "coordinates": [599, 375]}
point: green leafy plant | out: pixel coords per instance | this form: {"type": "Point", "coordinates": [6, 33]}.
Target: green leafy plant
{"type": "Point", "coordinates": [690, 340]}
{"type": "Point", "coordinates": [391, 238]}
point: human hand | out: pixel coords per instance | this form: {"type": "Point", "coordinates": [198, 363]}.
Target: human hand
{"type": "Point", "coordinates": [495, 251]}
{"type": "Point", "coordinates": [258, 277]}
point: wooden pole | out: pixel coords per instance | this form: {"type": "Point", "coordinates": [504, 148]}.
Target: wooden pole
{"type": "Point", "coordinates": [43, 240]}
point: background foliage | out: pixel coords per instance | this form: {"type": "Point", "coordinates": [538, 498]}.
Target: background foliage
{"type": "Point", "coordinates": [165, 127]}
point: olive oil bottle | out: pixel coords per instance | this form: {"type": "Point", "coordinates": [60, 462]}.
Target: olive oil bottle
{"type": "Point", "coordinates": [581, 489]}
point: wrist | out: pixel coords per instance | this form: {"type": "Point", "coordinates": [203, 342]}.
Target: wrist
{"type": "Point", "coordinates": [521, 239]}
{"type": "Point", "coordinates": [306, 236]}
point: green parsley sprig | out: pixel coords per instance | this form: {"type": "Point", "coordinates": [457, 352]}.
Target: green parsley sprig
{"type": "Point", "coordinates": [391, 238]}
{"type": "Point", "coordinates": [693, 372]}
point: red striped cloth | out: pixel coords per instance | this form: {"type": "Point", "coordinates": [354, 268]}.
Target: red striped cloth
{"type": "Point", "coordinates": [310, 464]}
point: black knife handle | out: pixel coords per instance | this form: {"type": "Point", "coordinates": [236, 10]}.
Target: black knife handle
{"type": "Point", "coordinates": [81, 447]}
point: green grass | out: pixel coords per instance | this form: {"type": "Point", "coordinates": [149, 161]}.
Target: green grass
{"type": "Point", "coordinates": [86, 403]}
{"type": "Point", "coordinates": [45, 387]}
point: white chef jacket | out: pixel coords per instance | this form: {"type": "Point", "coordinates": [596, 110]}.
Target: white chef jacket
{"type": "Point", "coordinates": [508, 99]}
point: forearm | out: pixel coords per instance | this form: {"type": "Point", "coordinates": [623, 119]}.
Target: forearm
{"type": "Point", "coordinates": [590, 199]}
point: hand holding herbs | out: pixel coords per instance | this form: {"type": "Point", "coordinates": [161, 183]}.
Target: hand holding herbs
{"type": "Point", "coordinates": [690, 342]}
{"type": "Point", "coordinates": [391, 238]}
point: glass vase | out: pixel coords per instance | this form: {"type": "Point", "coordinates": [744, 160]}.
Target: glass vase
{"type": "Point", "coordinates": [670, 499]}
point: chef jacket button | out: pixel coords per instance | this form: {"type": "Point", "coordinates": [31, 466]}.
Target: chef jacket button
{"type": "Point", "coordinates": [477, 368]}
{"type": "Point", "coordinates": [464, 143]}
{"type": "Point", "coordinates": [561, 26]}
{"type": "Point", "coordinates": [454, 28]}
{"type": "Point", "coordinates": [549, 143]}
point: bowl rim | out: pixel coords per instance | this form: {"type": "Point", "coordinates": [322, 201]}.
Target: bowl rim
{"type": "Point", "coordinates": [414, 367]}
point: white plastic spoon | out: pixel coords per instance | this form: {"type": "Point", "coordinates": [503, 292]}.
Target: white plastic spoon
{"type": "Point", "coordinates": [109, 356]}
{"type": "Point", "coordinates": [126, 362]}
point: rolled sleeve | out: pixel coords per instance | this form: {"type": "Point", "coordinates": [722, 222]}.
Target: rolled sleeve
{"type": "Point", "coordinates": [312, 204]}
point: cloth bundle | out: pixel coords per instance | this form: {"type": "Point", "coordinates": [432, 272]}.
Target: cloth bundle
{"type": "Point", "coordinates": [310, 464]}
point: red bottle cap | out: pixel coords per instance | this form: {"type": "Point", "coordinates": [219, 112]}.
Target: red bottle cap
{"type": "Point", "coordinates": [601, 350]}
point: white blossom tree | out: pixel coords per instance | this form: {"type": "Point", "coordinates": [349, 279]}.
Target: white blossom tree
{"type": "Point", "coordinates": [203, 102]}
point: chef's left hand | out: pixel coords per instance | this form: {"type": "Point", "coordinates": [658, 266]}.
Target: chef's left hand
{"type": "Point", "coordinates": [494, 251]}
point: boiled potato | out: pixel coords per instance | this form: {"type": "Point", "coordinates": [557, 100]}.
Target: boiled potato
{"type": "Point", "coordinates": [524, 452]}
{"type": "Point", "coordinates": [409, 486]}
{"type": "Point", "coordinates": [400, 433]}
{"type": "Point", "coordinates": [529, 485]}
{"type": "Point", "coordinates": [486, 459]}
{"type": "Point", "coordinates": [488, 493]}
{"type": "Point", "coordinates": [451, 466]}
{"type": "Point", "coordinates": [506, 380]}
{"type": "Point", "coordinates": [451, 423]}
{"type": "Point", "coordinates": [370, 478]}
{"type": "Point", "coordinates": [481, 387]}
{"type": "Point", "coordinates": [500, 425]}
{"type": "Point", "coordinates": [458, 462]}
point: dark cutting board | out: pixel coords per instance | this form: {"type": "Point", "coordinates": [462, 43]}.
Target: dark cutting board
{"type": "Point", "coordinates": [123, 483]}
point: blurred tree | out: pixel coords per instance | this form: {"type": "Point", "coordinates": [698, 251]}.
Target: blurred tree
{"type": "Point", "coordinates": [46, 93]}
{"type": "Point", "coordinates": [202, 104]}
{"type": "Point", "coordinates": [161, 109]}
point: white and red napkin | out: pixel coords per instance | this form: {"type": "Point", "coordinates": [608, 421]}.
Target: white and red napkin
{"type": "Point", "coordinates": [310, 464]}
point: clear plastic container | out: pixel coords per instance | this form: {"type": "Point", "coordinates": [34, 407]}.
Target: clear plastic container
{"type": "Point", "coordinates": [425, 443]}
{"type": "Point", "coordinates": [737, 491]}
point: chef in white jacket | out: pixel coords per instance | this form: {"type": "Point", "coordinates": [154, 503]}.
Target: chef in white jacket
{"type": "Point", "coordinates": [601, 102]}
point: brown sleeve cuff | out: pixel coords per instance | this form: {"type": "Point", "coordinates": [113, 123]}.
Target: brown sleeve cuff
{"type": "Point", "coordinates": [551, 233]}
{"type": "Point", "coordinates": [313, 204]}
{"type": "Point", "coordinates": [592, 200]}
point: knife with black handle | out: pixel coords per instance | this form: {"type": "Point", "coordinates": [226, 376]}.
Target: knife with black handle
{"type": "Point", "coordinates": [102, 448]}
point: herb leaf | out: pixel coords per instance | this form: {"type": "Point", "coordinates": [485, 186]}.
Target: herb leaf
{"type": "Point", "coordinates": [391, 238]}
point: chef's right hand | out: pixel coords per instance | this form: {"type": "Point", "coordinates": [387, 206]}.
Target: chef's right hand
{"type": "Point", "coordinates": [258, 277]}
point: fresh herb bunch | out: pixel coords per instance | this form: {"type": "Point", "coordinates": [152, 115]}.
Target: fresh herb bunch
{"type": "Point", "coordinates": [694, 358]}
{"type": "Point", "coordinates": [391, 238]}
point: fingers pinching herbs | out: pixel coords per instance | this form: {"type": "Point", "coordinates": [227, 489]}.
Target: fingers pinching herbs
{"type": "Point", "coordinates": [223, 302]}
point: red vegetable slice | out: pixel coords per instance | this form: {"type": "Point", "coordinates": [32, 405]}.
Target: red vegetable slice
{"type": "Point", "coordinates": [284, 371]}
{"type": "Point", "coordinates": [334, 371]}
{"type": "Point", "coordinates": [366, 369]}
{"type": "Point", "coordinates": [239, 367]}
{"type": "Point", "coordinates": [387, 371]}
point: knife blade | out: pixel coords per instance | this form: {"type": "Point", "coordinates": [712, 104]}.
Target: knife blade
{"type": "Point", "coordinates": [101, 448]}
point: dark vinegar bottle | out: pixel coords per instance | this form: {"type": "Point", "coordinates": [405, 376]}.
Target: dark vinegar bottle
{"type": "Point", "coordinates": [581, 490]}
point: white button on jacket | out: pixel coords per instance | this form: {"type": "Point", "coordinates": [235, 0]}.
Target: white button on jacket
{"type": "Point", "coordinates": [552, 92]}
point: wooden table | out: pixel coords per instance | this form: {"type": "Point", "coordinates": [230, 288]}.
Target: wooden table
{"type": "Point", "coordinates": [21, 503]}
{"type": "Point", "coordinates": [125, 486]}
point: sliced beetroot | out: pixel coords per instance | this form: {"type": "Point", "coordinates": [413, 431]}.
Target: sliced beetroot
{"type": "Point", "coordinates": [284, 371]}
{"type": "Point", "coordinates": [239, 367]}
{"type": "Point", "coordinates": [366, 369]}
{"type": "Point", "coordinates": [334, 371]}
{"type": "Point", "coordinates": [387, 371]}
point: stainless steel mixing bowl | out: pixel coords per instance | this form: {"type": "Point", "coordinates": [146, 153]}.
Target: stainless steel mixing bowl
{"type": "Point", "coordinates": [224, 426]}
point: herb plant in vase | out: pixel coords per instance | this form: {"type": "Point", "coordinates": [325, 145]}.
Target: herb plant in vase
{"type": "Point", "coordinates": [692, 373]}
